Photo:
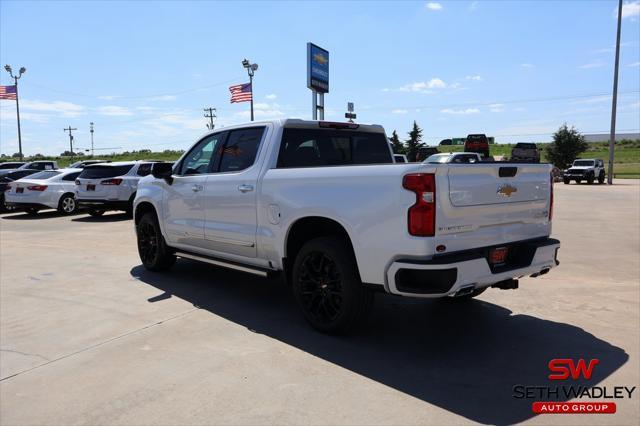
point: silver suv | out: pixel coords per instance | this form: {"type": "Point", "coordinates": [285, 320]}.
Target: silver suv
{"type": "Point", "coordinates": [110, 186]}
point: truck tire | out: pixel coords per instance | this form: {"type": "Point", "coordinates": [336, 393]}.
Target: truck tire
{"type": "Point", "coordinates": [601, 178]}
{"type": "Point", "coordinates": [95, 213]}
{"type": "Point", "coordinates": [578, 181]}
{"type": "Point", "coordinates": [590, 178]}
{"type": "Point", "coordinates": [31, 211]}
{"type": "Point", "coordinates": [566, 181]}
{"type": "Point", "coordinates": [152, 249]}
{"type": "Point", "coordinates": [327, 286]}
{"type": "Point", "coordinates": [67, 204]}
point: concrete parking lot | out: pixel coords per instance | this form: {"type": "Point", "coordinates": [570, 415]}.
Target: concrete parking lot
{"type": "Point", "coordinates": [88, 337]}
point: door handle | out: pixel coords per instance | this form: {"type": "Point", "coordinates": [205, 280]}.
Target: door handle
{"type": "Point", "coordinates": [196, 188]}
{"type": "Point", "coordinates": [245, 188]}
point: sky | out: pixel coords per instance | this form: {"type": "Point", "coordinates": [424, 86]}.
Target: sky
{"type": "Point", "coordinates": [144, 71]}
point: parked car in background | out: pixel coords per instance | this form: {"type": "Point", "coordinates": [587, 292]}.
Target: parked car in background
{"type": "Point", "coordinates": [587, 169]}
{"type": "Point", "coordinates": [84, 163]}
{"type": "Point", "coordinates": [425, 152]}
{"type": "Point", "coordinates": [110, 186]}
{"type": "Point", "coordinates": [267, 198]}
{"type": "Point", "coordinates": [47, 189]}
{"type": "Point", "coordinates": [11, 165]}
{"type": "Point", "coordinates": [525, 152]}
{"type": "Point", "coordinates": [40, 165]}
{"type": "Point", "coordinates": [400, 158]}
{"type": "Point", "coordinates": [8, 176]}
{"type": "Point", "coordinates": [455, 158]}
{"type": "Point", "coordinates": [477, 143]}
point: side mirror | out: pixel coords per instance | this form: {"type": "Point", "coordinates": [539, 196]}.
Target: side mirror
{"type": "Point", "coordinates": [163, 171]}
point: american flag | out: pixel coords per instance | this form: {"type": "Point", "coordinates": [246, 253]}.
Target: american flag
{"type": "Point", "coordinates": [241, 93]}
{"type": "Point", "coordinates": [8, 92]}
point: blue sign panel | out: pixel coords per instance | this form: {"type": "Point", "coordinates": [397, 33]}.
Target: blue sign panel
{"type": "Point", "coordinates": [317, 68]}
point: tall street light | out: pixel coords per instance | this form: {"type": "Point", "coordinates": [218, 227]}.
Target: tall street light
{"type": "Point", "coordinates": [614, 100]}
{"type": "Point", "coordinates": [15, 80]}
{"type": "Point", "coordinates": [251, 69]}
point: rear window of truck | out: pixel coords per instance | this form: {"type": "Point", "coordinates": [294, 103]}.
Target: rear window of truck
{"type": "Point", "coordinates": [318, 148]}
{"type": "Point", "coordinates": [99, 172]}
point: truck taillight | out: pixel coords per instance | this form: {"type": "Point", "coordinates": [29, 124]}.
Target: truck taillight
{"type": "Point", "coordinates": [37, 187]}
{"type": "Point", "coordinates": [116, 181]}
{"type": "Point", "coordinates": [422, 215]}
{"type": "Point", "coordinates": [551, 199]}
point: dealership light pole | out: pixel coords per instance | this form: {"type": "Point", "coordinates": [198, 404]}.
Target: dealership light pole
{"type": "Point", "coordinates": [614, 101]}
{"type": "Point", "coordinates": [15, 80]}
{"type": "Point", "coordinates": [91, 130]}
{"type": "Point", "coordinates": [70, 129]}
{"type": "Point", "coordinates": [251, 69]}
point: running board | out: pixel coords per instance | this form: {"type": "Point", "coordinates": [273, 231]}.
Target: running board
{"type": "Point", "coordinates": [227, 264]}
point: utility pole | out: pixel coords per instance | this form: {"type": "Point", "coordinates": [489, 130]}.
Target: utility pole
{"type": "Point", "coordinates": [614, 102]}
{"type": "Point", "coordinates": [211, 116]}
{"type": "Point", "coordinates": [15, 80]}
{"type": "Point", "coordinates": [251, 69]}
{"type": "Point", "coordinates": [69, 129]}
{"type": "Point", "coordinates": [91, 130]}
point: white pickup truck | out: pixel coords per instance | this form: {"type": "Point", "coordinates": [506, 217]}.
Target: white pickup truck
{"type": "Point", "coordinates": [324, 204]}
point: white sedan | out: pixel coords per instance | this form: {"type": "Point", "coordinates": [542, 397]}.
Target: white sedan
{"type": "Point", "coordinates": [49, 189]}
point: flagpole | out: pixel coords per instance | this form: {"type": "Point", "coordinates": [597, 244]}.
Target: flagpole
{"type": "Point", "coordinates": [15, 79]}
{"type": "Point", "coordinates": [251, 68]}
{"type": "Point", "coordinates": [18, 115]}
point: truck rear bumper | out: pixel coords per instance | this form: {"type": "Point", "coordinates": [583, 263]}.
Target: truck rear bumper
{"type": "Point", "coordinates": [446, 275]}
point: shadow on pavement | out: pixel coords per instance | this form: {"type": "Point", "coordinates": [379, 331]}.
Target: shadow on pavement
{"type": "Point", "coordinates": [118, 217]}
{"type": "Point", "coordinates": [463, 357]}
{"type": "Point", "coordinates": [20, 215]}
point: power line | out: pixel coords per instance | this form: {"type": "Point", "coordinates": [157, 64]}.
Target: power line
{"type": "Point", "coordinates": [194, 89]}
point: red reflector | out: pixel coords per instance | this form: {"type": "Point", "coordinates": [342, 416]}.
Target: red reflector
{"type": "Point", "coordinates": [498, 255]}
{"type": "Point", "coordinates": [116, 181]}
{"type": "Point", "coordinates": [37, 187]}
{"type": "Point", "coordinates": [422, 215]}
{"type": "Point", "coordinates": [337, 125]}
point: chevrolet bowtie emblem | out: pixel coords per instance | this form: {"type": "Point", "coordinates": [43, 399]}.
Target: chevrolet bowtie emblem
{"type": "Point", "coordinates": [507, 190]}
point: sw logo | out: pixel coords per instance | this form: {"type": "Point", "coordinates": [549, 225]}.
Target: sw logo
{"type": "Point", "coordinates": [562, 368]}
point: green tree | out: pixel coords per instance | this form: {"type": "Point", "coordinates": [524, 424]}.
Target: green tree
{"type": "Point", "coordinates": [396, 144]}
{"type": "Point", "coordinates": [414, 143]}
{"type": "Point", "coordinates": [567, 145]}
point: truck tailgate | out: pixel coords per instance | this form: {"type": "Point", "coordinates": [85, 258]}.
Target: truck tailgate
{"type": "Point", "coordinates": [487, 204]}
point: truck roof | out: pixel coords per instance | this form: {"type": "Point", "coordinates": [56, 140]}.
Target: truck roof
{"type": "Point", "coordinates": [299, 123]}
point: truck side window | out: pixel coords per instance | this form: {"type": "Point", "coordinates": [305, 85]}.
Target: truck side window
{"type": "Point", "coordinates": [317, 148]}
{"type": "Point", "coordinates": [241, 148]}
{"type": "Point", "coordinates": [199, 160]}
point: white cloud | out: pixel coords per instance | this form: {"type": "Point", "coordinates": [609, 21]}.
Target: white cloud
{"type": "Point", "coordinates": [466, 111]}
{"type": "Point", "coordinates": [114, 111]}
{"type": "Point", "coordinates": [65, 109]}
{"type": "Point", "coordinates": [473, 78]}
{"type": "Point", "coordinates": [271, 96]}
{"type": "Point", "coordinates": [386, 89]}
{"type": "Point", "coordinates": [164, 98]}
{"type": "Point", "coordinates": [264, 111]}
{"type": "Point", "coordinates": [591, 65]}
{"type": "Point", "coordinates": [629, 10]}
{"type": "Point", "coordinates": [496, 107]}
{"type": "Point", "coordinates": [424, 86]}
{"type": "Point", "coordinates": [526, 65]}
{"type": "Point", "coordinates": [435, 6]}
{"type": "Point", "coordinates": [634, 64]}
{"type": "Point", "coordinates": [108, 97]}
{"type": "Point", "coordinates": [399, 111]}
